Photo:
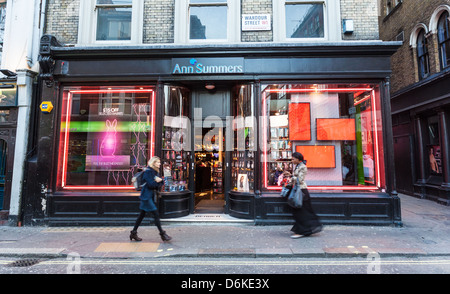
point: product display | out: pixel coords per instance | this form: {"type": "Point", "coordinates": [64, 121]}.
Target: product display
{"type": "Point", "coordinates": [242, 171]}
{"type": "Point", "coordinates": [175, 167]}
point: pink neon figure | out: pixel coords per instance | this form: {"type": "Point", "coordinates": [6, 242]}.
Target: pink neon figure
{"type": "Point", "coordinates": [108, 146]}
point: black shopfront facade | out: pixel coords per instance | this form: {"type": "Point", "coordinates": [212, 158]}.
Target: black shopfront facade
{"type": "Point", "coordinates": [240, 109]}
{"type": "Point", "coordinates": [421, 121]}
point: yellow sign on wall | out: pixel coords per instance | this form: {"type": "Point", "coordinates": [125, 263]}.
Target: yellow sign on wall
{"type": "Point", "coordinates": [46, 106]}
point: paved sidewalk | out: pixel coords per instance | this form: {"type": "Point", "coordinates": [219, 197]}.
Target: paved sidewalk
{"type": "Point", "coordinates": [425, 232]}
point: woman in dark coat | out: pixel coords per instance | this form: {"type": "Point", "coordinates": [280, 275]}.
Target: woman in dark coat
{"type": "Point", "coordinates": [152, 183]}
{"type": "Point", "coordinates": [306, 221]}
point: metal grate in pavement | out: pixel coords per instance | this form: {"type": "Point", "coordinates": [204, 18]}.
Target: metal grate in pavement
{"type": "Point", "coordinates": [23, 262]}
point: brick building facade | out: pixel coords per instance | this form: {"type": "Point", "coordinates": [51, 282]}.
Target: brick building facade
{"type": "Point", "coordinates": [420, 94]}
{"type": "Point", "coordinates": [63, 17]}
{"type": "Point", "coordinates": [181, 68]}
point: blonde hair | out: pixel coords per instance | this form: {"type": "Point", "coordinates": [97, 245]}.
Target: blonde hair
{"type": "Point", "coordinates": [151, 162]}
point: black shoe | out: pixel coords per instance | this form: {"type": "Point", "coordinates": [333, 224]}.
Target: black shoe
{"type": "Point", "coordinates": [134, 236]}
{"type": "Point", "coordinates": [317, 229]}
{"type": "Point", "coordinates": [164, 236]}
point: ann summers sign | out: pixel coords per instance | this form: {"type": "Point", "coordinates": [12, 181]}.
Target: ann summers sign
{"type": "Point", "coordinates": [210, 66]}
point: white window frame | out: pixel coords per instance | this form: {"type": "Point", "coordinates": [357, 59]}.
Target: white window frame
{"type": "Point", "coordinates": [87, 26]}
{"type": "Point", "coordinates": [182, 23]}
{"type": "Point", "coordinates": [331, 15]}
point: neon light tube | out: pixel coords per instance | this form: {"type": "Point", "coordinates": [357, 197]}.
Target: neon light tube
{"type": "Point", "coordinates": [377, 163]}
{"type": "Point", "coordinates": [99, 187]}
{"type": "Point", "coordinates": [66, 140]}
{"type": "Point", "coordinates": [66, 126]}
{"type": "Point", "coordinates": [111, 91]}
{"type": "Point", "coordinates": [352, 188]}
{"type": "Point", "coordinates": [318, 90]}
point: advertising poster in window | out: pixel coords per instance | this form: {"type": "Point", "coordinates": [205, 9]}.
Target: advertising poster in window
{"type": "Point", "coordinates": [242, 184]}
{"type": "Point", "coordinates": [106, 152]}
{"type": "Point", "coordinates": [435, 159]}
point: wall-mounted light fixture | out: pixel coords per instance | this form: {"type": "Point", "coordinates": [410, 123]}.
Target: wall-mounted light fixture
{"type": "Point", "coordinates": [210, 86]}
{"type": "Point", "coordinates": [348, 26]}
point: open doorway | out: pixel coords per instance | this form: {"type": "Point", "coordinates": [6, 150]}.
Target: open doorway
{"type": "Point", "coordinates": [209, 174]}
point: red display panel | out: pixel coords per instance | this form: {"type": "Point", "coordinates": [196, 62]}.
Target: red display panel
{"type": "Point", "coordinates": [329, 129]}
{"type": "Point", "coordinates": [318, 156]}
{"type": "Point", "coordinates": [299, 122]}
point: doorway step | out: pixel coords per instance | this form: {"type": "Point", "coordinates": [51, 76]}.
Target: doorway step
{"type": "Point", "coordinates": [210, 206]}
{"type": "Point", "coordinates": [208, 219]}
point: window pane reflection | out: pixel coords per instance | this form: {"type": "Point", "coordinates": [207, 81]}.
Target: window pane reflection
{"type": "Point", "coordinates": [304, 21]}
{"type": "Point", "coordinates": [208, 22]}
{"type": "Point", "coordinates": [114, 24]}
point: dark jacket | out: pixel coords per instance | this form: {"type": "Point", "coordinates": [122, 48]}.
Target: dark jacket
{"type": "Point", "coordinates": [149, 190]}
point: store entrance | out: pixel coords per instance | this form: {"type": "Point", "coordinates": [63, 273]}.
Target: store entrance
{"type": "Point", "coordinates": [209, 173]}
{"type": "Point", "coordinates": [210, 156]}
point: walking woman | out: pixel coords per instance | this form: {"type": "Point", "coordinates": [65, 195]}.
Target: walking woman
{"type": "Point", "coordinates": [152, 183]}
{"type": "Point", "coordinates": [306, 221]}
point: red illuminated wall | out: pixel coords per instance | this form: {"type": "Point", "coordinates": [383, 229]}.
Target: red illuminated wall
{"type": "Point", "coordinates": [318, 156]}
{"type": "Point", "coordinates": [299, 122]}
{"type": "Point", "coordinates": [335, 129]}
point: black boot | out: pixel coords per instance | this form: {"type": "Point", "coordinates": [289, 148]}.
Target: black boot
{"type": "Point", "coordinates": [133, 235]}
{"type": "Point", "coordinates": [164, 236]}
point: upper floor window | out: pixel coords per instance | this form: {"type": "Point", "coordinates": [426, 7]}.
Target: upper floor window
{"type": "Point", "coordinates": [422, 55]}
{"type": "Point", "coordinates": [113, 19]}
{"type": "Point", "coordinates": [306, 20]}
{"type": "Point", "coordinates": [211, 20]}
{"type": "Point", "coordinates": [110, 22]}
{"type": "Point", "coordinates": [444, 39]}
{"type": "Point", "coordinates": [207, 19]}
{"type": "Point", "coordinates": [391, 4]}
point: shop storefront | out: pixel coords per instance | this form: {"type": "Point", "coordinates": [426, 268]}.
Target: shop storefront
{"type": "Point", "coordinates": [224, 120]}
{"type": "Point", "coordinates": [420, 115]}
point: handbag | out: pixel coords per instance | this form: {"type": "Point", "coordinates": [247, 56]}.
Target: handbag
{"type": "Point", "coordinates": [285, 191]}
{"type": "Point", "coordinates": [295, 198]}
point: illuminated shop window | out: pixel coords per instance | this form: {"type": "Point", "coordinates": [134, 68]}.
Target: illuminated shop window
{"type": "Point", "coordinates": [176, 139]}
{"type": "Point", "coordinates": [336, 127]}
{"type": "Point", "coordinates": [106, 136]}
{"type": "Point", "coordinates": [244, 140]}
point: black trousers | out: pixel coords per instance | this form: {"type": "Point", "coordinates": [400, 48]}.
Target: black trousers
{"type": "Point", "coordinates": [306, 221]}
{"type": "Point", "coordinates": [141, 217]}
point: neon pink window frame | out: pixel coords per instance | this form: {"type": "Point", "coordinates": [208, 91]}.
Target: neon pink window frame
{"type": "Point", "coordinates": [378, 163]}
{"type": "Point", "coordinates": [67, 107]}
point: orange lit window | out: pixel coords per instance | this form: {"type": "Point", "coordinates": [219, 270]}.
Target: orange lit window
{"type": "Point", "coordinates": [318, 156]}
{"type": "Point", "coordinates": [299, 122]}
{"type": "Point", "coordinates": [335, 129]}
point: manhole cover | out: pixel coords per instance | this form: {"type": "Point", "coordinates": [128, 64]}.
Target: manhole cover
{"type": "Point", "coordinates": [23, 262]}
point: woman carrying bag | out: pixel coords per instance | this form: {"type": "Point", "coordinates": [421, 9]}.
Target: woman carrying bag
{"type": "Point", "coordinates": [152, 183]}
{"type": "Point", "coordinates": [306, 221]}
